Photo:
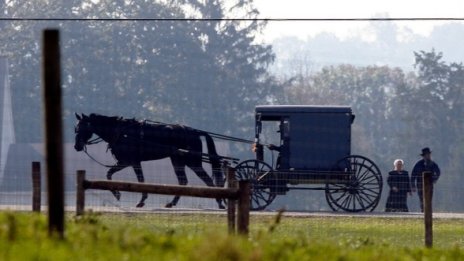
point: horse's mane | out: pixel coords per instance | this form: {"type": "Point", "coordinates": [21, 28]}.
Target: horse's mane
{"type": "Point", "coordinates": [115, 119]}
{"type": "Point", "coordinates": [99, 117]}
{"type": "Point", "coordinates": [130, 122]}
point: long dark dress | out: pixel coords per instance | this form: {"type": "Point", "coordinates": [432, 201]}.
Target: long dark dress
{"type": "Point", "coordinates": [397, 200]}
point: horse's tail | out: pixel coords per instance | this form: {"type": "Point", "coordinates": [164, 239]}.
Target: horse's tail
{"type": "Point", "coordinates": [218, 176]}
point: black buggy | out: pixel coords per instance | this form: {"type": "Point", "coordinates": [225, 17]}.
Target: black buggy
{"type": "Point", "coordinates": [314, 150]}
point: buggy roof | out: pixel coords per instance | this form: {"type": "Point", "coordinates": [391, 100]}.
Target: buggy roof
{"type": "Point", "coordinates": [296, 109]}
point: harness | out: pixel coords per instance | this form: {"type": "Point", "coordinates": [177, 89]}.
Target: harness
{"type": "Point", "coordinates": [99, 139]}
{"type": "Point", "coordinates": [119, 132]}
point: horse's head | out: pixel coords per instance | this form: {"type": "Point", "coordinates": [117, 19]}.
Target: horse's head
{"type": "Point", "coordinates": [83, 130]}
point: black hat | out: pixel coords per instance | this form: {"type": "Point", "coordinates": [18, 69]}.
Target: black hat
{"type": "Point", "coordinates": [426, 151]}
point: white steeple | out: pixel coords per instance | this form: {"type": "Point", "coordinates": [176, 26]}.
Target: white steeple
{"type": "Point", "coordinates": [7, 133]}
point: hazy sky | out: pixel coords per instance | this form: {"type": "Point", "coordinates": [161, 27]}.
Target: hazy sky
{"type": "Point", "coordinates": [352, 9]}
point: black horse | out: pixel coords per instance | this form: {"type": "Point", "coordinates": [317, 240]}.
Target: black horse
{"type": "Point", "coordinates": [132, 142]}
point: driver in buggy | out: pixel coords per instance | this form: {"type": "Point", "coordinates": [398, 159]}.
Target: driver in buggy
{"type": "Point", "coordinates": [277, 186]}
{"type": "Point", "coordinates": [278, 148]}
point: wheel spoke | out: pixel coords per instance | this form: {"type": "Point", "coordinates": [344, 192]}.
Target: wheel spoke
{"type": "Point", "coordinates": [368, 180]}
{"type": "Point", "coordinates": [371, 200]}
{"type": "Point", "coordinates": [369, 193]}
{"type": "Point", "coordinates": [363, 190]}
{"type": "Point", "coordinates": [341, 196]}
{"type": "Point", "coordinates": [366, 172]}
{"type": "Point", "coordinates": [375, 189]}
{"type": "Point", "coordinates": [360, 201]}
{"type": "Point", "coordinates": [353, 198]}
{"type": "Point", "coordinates": [260, 194]}
{"type": "Point", "coordinates": [346, 202]}
{"type": "Point", "coordinates": [341, 201]}
{"type": "Point", "coordinates": [367, 199]}
{"type": "Point", "coordinates": [366, 176]}
{"type": "Point", "coordinates": [255, 170]}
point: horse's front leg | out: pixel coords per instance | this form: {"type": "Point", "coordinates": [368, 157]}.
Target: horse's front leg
{"type": "Point", "coordinates": [141, 179]}
{"type": "Point", "coordinates": [109, 176]}
{"type": "Point", "coordinates": [181, 178]}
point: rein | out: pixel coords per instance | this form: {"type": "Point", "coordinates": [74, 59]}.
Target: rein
{"type": "Point", "coordinates": [212, 134]}
{"type": "Point", "coordinates": [95, 141]}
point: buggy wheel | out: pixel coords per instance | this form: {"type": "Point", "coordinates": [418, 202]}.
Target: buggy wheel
{"type": "Point", "coordinates": [262, 178]}
{"type": "Point", "coordinates": [361, 189]}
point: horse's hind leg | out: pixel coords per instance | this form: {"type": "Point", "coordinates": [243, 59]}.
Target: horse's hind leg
{"type": "Point", "coordinates": [109, 176]}
{"type": "Point", "coordinates": [182, 178]}
{"type": "Point", "coordinates": [141, 179]}
{"type": "Point", "coordinates": [201, 173]}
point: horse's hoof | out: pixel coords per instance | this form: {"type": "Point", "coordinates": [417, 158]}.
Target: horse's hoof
{"type": "Point", "coordinates": [140, 205]}
{"type": "Point", "coordinates": [169, 205]}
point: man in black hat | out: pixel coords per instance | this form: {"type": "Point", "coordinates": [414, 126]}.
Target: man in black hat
{"type": "Point", "coordinates": [425, 164]}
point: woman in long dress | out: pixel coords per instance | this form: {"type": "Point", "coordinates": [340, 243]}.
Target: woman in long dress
{"type": "Point", "coordinates": [398, 180]}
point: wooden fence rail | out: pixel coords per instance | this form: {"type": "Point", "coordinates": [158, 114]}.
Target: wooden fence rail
{"type": "Point", "coordinates": [240, 194]}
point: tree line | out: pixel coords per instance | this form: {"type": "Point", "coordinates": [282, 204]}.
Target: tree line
{"type": "Point", "coordinates": [211, 74]}
{"type": "Point", "coordinates": [398, 112]}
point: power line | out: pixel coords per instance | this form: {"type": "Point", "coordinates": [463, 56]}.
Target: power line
{"type": "Point", "coordinates": [347, 19]}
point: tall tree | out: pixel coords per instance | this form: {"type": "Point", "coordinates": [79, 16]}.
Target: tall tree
{"type": "Point", "coordinates": [436, 107]}
{"type": "Point", "coordinates": [208, 74]}
{"type": "Point", "coordinates": [368, 90]}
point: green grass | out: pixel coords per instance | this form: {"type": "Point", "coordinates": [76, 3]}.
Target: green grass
{"type": "Point", "coordinates": [23, 236]}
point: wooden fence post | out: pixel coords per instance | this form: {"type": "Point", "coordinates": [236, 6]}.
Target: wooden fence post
{"type": "Point", "coordinates": [36, 187]}
{"type": "Point", "coordinates": [427, 200]}
{"type": "Point", "coordinates": [51, 70]}
{"type": "Point", "coordinates": [232, 183]}
{"type": "Point", "coordinates": [80, 193]}
{"type": "Point", "coordinates": [243, 212]}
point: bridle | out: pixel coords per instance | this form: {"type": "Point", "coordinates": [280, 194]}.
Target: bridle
{"type": "Point", "coordinates": [92, 142]}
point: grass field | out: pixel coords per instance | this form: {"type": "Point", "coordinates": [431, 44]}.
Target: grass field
{"type": "Point", "coordinates": [23, 236]}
